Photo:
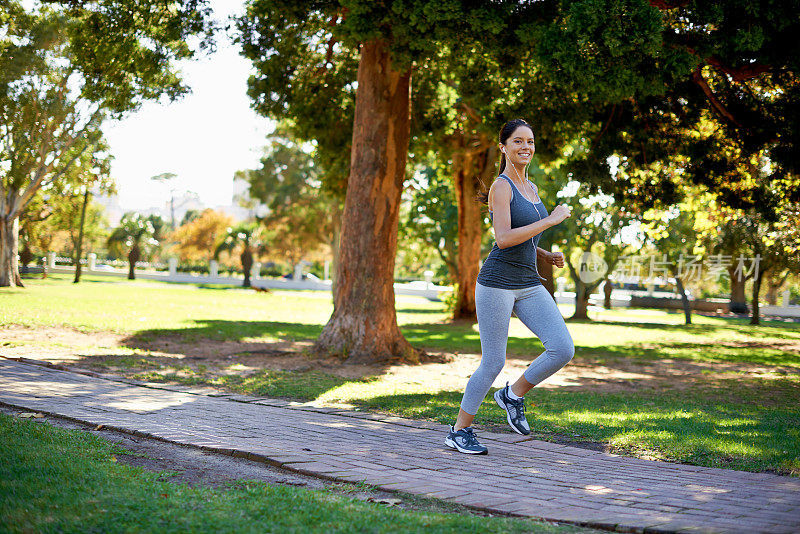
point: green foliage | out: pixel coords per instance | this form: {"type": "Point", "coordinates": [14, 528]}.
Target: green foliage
{"type": "Point", "coordinates": [694, 93]}
{"type": "Point", "coordinates": [243, 235]}
{"type": "Point", "coordinates": [136, 232]}
{"type": "Point", "coordinates": [430, 218]}
{"type": "Point", "coordinates": [607, 49]}
{"type": "Point", "coordinates": [126, 49]}
{"type": "Point", "coordinates": [302, 218]}
{"type": "Point", "coordinates": [64, 67]}
{"type": "Point", "coordinates": [304, 76]}
{"type": "Point", "coordinates": [595, 225]}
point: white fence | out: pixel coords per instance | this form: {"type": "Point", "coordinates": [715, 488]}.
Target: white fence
{"type": "Point", "coordinates": [426, 289]}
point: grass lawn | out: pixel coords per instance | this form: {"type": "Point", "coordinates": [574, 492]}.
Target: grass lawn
{"type": "Point", "coordinates": [58, 480]}
{"type": "Point", "coordinates": [716, 393]}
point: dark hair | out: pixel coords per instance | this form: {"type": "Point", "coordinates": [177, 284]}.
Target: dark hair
{"type": "Point", "coordinates": [505, 132]}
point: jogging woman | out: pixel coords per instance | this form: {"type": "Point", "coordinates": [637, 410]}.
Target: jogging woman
{"type": "Point", "coordinates": [509, 281]}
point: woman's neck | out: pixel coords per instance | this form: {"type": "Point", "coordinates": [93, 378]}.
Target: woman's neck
{"type": "Point", "coordinates": [517, 172]}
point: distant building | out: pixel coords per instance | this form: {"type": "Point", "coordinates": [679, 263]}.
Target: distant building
{"type": "Point", "coordinates": [113, 209]}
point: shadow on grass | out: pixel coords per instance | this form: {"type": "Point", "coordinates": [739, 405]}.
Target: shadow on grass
{"type": "Point", "coordinates": [463, 337]}
{"type": "Point", "coordinates": [415, 311]}
{"type": "Point", "coordinates": [747, 424]}
{"type": "Point", "coordinates": [222, 330]}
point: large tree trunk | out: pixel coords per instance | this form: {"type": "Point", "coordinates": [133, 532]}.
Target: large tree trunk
{"type": "Point", "coordinates": [738, 302]}
{"type": "Point", "coordinates": [473, 168]}
{"type": "Point", "coordinates": [334, 242]}
{"type": "Point", "coordinates": [9, 251]}
{"type": "Point", "coordinates": [364, 322]}
{"type": "Point", "coordinates": [582, 292]}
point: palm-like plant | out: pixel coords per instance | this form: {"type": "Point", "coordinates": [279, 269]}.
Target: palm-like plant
{"type": "Point", "coordinates": [244, 234]}
{"type": "Point", "coordinates": [134, 232]}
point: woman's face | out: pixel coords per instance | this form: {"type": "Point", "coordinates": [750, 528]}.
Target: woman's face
{"type": "Point", "coordinates": [519, 148]}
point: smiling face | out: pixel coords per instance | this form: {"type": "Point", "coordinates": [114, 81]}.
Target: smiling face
{"type": "Point", "coordinates": [519, 147]}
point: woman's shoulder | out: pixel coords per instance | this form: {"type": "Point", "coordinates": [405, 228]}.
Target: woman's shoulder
{"type": "Point", "coordinates": [501, 182]}
{"type": "Point", "coordinates": [502, 187]}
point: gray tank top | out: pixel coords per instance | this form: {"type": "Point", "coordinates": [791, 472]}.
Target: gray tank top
{"type": "Point", "coordinates": [515, 267]}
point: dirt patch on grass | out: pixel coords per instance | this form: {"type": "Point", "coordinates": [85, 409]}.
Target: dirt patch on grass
{"type": "Point", "coordinates": [108, 352]}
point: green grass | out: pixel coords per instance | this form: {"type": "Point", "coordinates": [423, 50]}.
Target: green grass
{"type": "Point", "coordinates": [56, 480]}
{"type": "Point", "coordinates": [746, 422]}
{"type": "Point", "coordinates": [148, 309]}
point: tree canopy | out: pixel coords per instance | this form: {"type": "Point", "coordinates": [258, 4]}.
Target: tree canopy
{"type": "Point", "coordinates": [682, 92]}
{"type": "Point", "coordinates": [64, 67]}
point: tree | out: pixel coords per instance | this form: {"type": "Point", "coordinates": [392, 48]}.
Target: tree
{"type": "Point", "coordinates": [682, 92]}
{"type": "Point", "coordinates": [594, 226]}
{"type": "Point", "coordinates": [302, 217]}
{"type": "Point", "coordinates": [244, 235]}
{"type": "Point", "coordinates": [197, 238]}
{"type": "Point", "coordinates": [673, 235]}
{"type": "Point", "coordinates": [279, 33]}
{"type": "Point", "coordinates": [138, 234]}
{"type": "Point", "coordinates": [64, 69]}
{"type": "Point", "coordinates": [433, 216]}
{"type": "Point", "coordinates": [191, 215]}
{"type": "Point", "coordinates": [64, 209]}
{"type": "Point", "coordinates": [774, 246]}
{"type": "Point", "coordinates": [724, 235]}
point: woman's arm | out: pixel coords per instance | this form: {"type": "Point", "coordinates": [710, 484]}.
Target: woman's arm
{"type": "Point", "coordinates": [504, 235]}
{"type": "Point", "coordinates": [544, 254]}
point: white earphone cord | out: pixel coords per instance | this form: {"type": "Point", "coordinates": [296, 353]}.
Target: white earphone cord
{"type": "Point", "coordinates": [535, 263]}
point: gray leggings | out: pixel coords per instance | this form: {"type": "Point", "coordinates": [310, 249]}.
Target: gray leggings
{"type": "Point", "coordinates": [536, 309]}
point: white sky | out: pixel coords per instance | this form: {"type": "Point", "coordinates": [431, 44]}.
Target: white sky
{"type": "Point", "coordinates": [204, 137]}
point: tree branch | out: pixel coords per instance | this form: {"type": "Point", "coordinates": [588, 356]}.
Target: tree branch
{"type": "Point", "coordinates": [608, 123]}
{"type": "Point", "coordinates": [666, 4]}
{"type": "Point", "coordinates": [739, 74]}
{"type": "Point", "coordinates": [718, 106]}
{"type": "Point", "coordinates": [41, 173]}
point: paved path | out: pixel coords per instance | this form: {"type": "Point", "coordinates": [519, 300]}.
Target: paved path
{"type": "Point", "coordinates": [519, 476]}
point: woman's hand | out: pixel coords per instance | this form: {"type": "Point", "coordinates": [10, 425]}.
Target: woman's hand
{"type": "Point", "coordinates": [559, 213]}
{"type": "Point", "coordinates": [557, 259]}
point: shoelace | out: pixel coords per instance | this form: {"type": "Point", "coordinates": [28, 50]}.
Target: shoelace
{"type": "Point", "coordinates": [471, 438]}
{"type": "Point", "coordinates": [519, 404]}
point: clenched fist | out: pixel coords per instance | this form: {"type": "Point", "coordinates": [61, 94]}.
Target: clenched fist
{"type": "Point", "coordinates": [560, 212]}
{"type": "Point", "coordinates": [557, 259]}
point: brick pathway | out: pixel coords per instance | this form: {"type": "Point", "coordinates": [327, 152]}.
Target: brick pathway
{"type": "Point", "coordinates": [519, 476]}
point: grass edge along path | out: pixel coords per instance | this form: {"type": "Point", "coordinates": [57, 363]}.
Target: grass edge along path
{"type": "Point", "coordinates": [60, 480]}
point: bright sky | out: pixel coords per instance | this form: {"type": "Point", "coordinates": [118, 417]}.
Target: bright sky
{"type": "Point", "coordinates": [203, 138]}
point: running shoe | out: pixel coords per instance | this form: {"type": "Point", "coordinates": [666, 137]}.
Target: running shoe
{"type": "Point", "coordinates": [464, 441]}
{"type": "Point", "coordinates": [515, 410]}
